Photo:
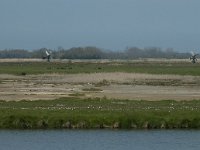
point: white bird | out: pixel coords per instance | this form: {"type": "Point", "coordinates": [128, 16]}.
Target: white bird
{"type": "Point", "coordinates": [47, 53]}
{"type": "Point", "coordinates": [48, 56]}
{"type": "Point", "coordinates": [193, 57]}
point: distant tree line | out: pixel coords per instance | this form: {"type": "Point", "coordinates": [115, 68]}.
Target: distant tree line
{"type": "Point", "coordinates": [94, 53]}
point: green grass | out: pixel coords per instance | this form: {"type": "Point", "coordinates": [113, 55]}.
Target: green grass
{"type": "Point", "coordinates": [99, 113]}
{"type": "Point", "coordinates": [25, 68]}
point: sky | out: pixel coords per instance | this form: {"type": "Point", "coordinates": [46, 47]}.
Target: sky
{"type": "Point", "coordinates": [107, 24]}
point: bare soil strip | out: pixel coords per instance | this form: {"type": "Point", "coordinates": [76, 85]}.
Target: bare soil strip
{"type": "Point", "coordinates": [111, 85]}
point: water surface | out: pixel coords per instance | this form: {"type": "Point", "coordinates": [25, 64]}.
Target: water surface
{"type": "Point", "coordinates": [100, 140]}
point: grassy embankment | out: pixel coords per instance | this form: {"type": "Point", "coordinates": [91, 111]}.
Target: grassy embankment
{"type": "Point", "coordinates": [99, 113]}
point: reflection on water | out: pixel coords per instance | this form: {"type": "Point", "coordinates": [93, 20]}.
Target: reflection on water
{"type": "Point", "coordinates": [100, 140]}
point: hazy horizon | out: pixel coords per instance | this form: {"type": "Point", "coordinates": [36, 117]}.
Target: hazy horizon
{"type": "Point", "coordinates": [106, 24]}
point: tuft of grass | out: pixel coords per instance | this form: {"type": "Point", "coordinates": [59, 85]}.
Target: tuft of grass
{"type": "Point", "coordinates": [92, 89]}
{"type": "Point", "coordinates": [76, 94]}
{"type": "Point", "coordinates": [23, 73]}
{"type": "Point", "coordinates": [104, 82]}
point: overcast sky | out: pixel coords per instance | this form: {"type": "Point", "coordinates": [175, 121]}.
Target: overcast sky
{"type": "Point", "coordinates": [107, 24]}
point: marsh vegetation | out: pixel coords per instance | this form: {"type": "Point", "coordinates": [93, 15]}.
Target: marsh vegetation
{"type": "Point", "coordinates": [99, 113]}
{"type": "Point", "coordinates": [73, 67]}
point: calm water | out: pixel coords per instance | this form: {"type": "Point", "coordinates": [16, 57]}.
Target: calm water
{"type": "Point", "coordinates": [100, 140]}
